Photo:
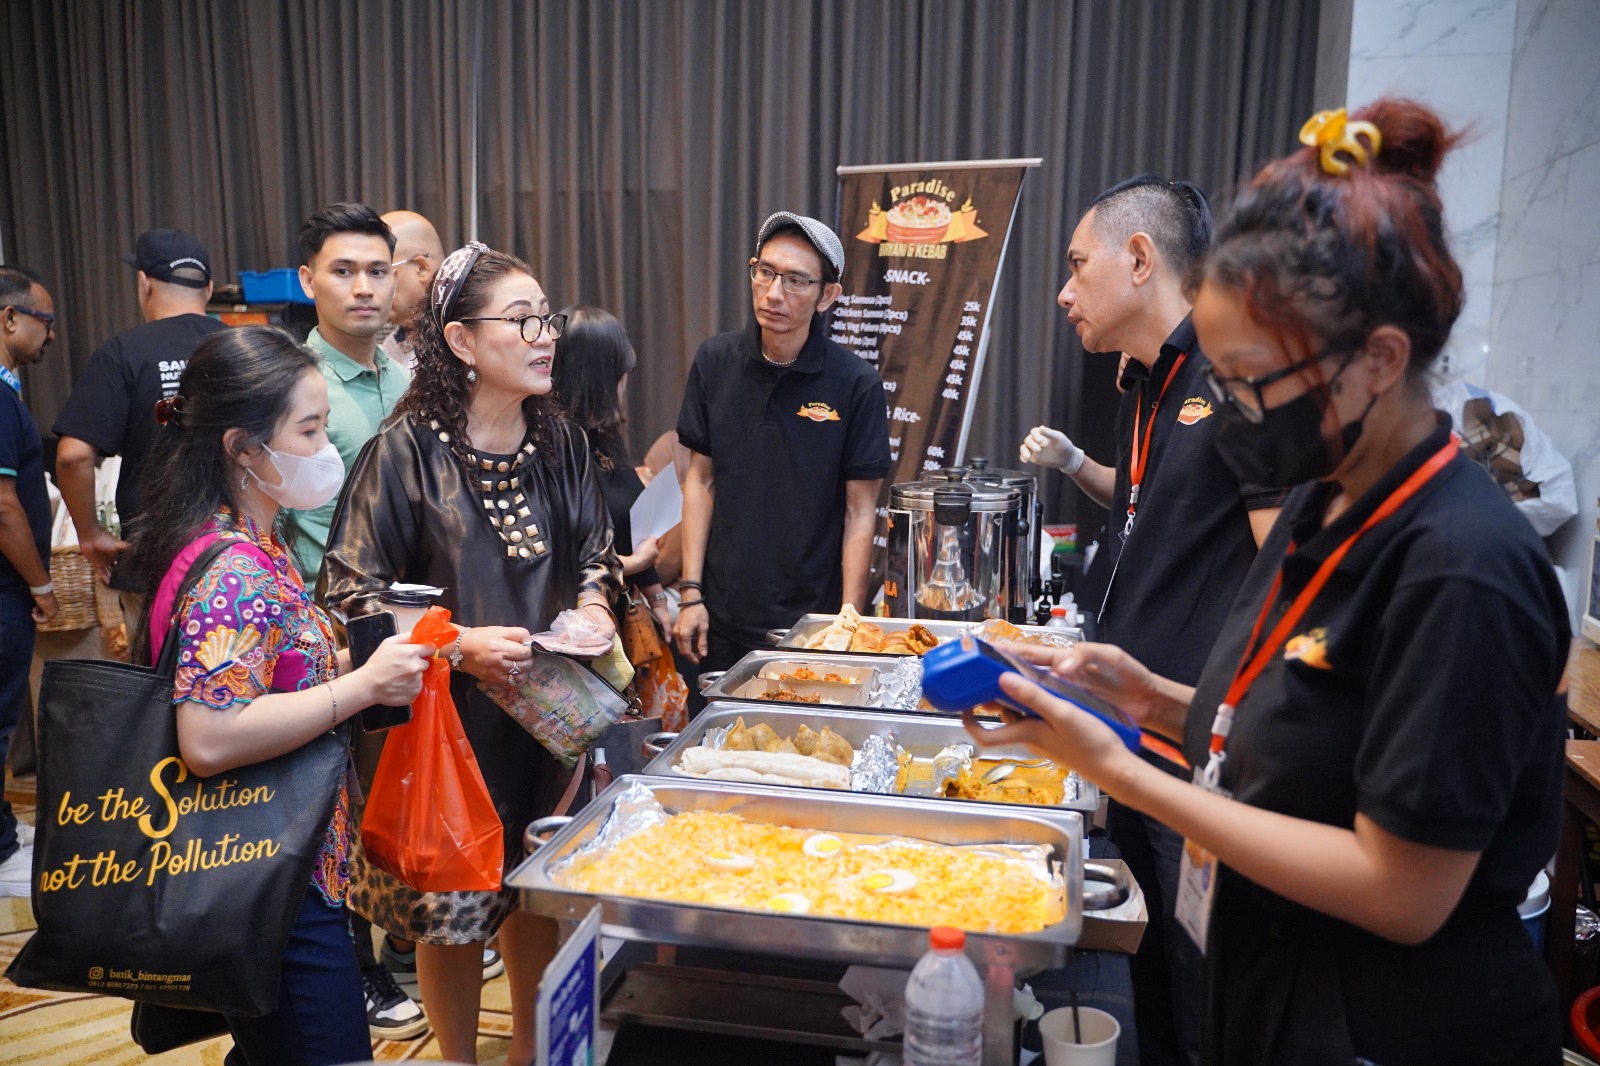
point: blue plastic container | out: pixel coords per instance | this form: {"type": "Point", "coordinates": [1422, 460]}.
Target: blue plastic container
{"type": "Point", "coordinates": [273, 287]}
{"type": "Point", "coordinates": [1535, 909]}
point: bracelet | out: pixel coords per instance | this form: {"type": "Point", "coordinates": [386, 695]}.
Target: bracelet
{"type": "Point", "coordinates": [684, 605]}
{"type": "Point", "coordinates": [691, 585]}
{"type": "Point", "coordinates": [329, 686]}
{"type": "Point", "coordinates": [455, 652]}
{"type": "Point", "coordinates": [43, 590]}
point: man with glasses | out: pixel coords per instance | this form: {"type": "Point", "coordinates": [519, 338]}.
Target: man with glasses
{"type": "Point", "coordinates": [417, 255]}
{"type": "Point", "coordinates": [348, 273]}
{"type": "Point", "coordinates": [789, 443]}
{"type": "Point", "coordinates": [111, 409]}
{"type": "Point", "coordinates": [1183, 530]}
{"type": "Point", "coordinates": [27, 597]}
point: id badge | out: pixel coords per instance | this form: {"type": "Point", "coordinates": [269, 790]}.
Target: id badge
{"type": "Point", "coordinates": [1197, 891]}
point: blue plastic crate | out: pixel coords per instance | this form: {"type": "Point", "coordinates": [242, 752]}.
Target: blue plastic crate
{"type": "Point", "coordinates": [273, 287]}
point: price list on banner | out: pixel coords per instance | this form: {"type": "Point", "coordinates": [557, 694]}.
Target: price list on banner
{"type": "Point", "coordinates": [924, 243]}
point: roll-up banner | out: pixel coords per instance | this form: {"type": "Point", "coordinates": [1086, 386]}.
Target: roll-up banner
{"type": "Point", "coordinates": [923, 247]}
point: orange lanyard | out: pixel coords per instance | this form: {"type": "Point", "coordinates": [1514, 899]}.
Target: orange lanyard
{"type": "Point", "coordinates": [1250, 666]}
{"type": "Point", "coordinates": [1139, 457]}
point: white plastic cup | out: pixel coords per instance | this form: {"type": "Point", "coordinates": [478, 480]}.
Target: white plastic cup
{"type": "Point", "coordinates": [1098, 1029]}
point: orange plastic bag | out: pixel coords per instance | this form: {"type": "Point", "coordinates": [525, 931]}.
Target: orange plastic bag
{"type": "Point", "coordinates": [430, 820]}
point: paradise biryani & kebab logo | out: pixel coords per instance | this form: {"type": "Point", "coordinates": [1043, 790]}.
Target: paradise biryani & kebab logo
{"type": "Point", "coordinates": [920, 222]}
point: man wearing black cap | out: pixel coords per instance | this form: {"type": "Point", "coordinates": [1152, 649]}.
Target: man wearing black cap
{"type": "Point", "coordinates": [112, 407]}
{"type": "Point", "coordinates": [789, 443]}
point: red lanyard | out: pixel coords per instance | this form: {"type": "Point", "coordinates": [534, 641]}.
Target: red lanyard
{"type": "Point", "coordinates": [1139, 457]}
{"type": "Point", "coordinates": [1250, 666]}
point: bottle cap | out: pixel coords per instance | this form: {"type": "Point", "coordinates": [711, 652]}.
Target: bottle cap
{"type": "Point", "coordinates": [1058, 612]}
{"type": "Point", "coordinates": [946, 938]}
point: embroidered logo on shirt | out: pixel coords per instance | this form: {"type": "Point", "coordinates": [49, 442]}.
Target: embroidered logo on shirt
{"type": "Point", "coordinates": [818, 412]}
{"type": "Point", "coordinates": [1193, 410]}
{"type": "Point", "coordinates": [1311, 648]}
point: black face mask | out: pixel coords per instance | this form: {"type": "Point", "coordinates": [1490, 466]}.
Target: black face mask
{"type": "Point", "coordinates": [1287, 446]}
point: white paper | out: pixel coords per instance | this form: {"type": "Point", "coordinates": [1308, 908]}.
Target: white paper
{"type": "Point", "coordinates": [426, 590]}
{"type": "Point", "coordinates": [658, 508]}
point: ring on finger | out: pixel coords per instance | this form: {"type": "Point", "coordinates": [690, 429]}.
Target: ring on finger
{"type": "Point", "coordinates": [513, 672]}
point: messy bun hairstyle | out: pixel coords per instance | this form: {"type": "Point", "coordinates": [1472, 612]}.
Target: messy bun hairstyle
{"type": "Point", "coordinates": [1322, 260]}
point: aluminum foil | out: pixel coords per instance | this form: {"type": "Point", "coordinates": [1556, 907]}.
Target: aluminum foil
{"type": "Point", "coordinates": [715, 736]}
{"type": "Point", "coordinates": [899, 688]}
{"type": "Point", "coordinates": [876, 765]}
{"type": "Point", "coordinates": [635, 809]}
{"type": "Point", "coordinates": [1587, 924]}
{"type": "Point", "coordinates": [948, 764]}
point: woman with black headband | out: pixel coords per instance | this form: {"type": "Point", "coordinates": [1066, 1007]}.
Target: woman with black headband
{"type": "Point", "coordinates": [478, 486]}
{"type": "Point", "coordinates": [1376, 734]}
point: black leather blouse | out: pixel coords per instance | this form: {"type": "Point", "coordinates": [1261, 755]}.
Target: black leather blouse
{"type": "Point", "coordinates": [410, 513]}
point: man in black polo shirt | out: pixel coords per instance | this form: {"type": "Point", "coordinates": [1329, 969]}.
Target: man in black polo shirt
{"type": "Point", "coordinates": [27, 597]}
{"type": "Point", "coordinates": [789, 442]}
{"type": "Point", "coordinates": [112, 407]}
{"type": "Point", "coordinates": [1183, 529]}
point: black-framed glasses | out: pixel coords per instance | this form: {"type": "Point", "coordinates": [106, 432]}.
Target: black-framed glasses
{"type": "Point", "coordinates": [46, 317]}
{"type": "Point", "coordinates": [797, 284]}
{"type": "Point", "coordinates": [554, 323]}
{"type": "Point", "coordinates": [1246, 394]}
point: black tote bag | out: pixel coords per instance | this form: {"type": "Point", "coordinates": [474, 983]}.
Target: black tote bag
{"type": "Point", "coordinates": [151, 883]}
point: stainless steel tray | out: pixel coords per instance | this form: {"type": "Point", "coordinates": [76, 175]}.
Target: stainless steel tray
{"type": "Point", "coordinates": [817, 936]}
{"type": "Point", "coordinates": [738, 681]}
{"type": "Point", "coordinates": [920, 734]}
{"type": "Point", "coordinates": [812, 624]}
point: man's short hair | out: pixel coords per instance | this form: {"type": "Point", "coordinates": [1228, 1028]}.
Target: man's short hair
{"type": "Point", "coordinates": [1175, 214]}
{"type": "Point", "coordinates": [15, 285]}
{"type": "Point", "coordinates": [341, 218]}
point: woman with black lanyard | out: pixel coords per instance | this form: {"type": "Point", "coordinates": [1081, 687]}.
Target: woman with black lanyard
{"type": "Point", "coordinates": [1376, 733]}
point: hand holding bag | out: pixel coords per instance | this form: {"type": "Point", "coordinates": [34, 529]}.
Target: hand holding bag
{"type": "Point", "coordinates": [152, 883]}
{"type": "Point", "coordinates": [430, 820]}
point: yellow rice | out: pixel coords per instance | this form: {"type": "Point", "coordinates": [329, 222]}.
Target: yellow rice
{"type": "Point", "coordinates": [955, 886]}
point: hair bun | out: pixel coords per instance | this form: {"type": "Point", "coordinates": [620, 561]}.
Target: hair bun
{"type": "Point", "coordinates": [1415, 139]}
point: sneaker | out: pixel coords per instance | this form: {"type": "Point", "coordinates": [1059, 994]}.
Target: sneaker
{"type": "Point", "coordinates": [16, 873]}
{"type": "Point", "coordinates": [391, 1014]}
{"type": "Point", "coordinates": [402, 966]}
{"type": "Point", "coordinates": [492, 966]}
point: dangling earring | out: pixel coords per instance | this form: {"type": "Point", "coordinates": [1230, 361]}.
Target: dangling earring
{"type": "Point", "coordinates": [472, 375]}
{"type": "Point", "coordinates": [244, 482]}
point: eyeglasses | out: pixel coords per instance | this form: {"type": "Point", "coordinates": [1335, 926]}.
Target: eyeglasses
{"type": "Point", "coordinates": [554, 323]}
{"type": "Point", "coordinates": [421, 259]}
{"type": "Point", "coordinates": [796, 284]}
{"type": "Point", "coordinates": [46, 317]}
{"type": "Point", "coordinates": [1246, 394]}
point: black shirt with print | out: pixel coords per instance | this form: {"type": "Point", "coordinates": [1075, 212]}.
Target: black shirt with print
{"type": "Point", "coordinates": [783, 442]}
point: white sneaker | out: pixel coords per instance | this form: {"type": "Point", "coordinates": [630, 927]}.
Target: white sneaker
{"type": "Point", "coordinates": [16, 873]}
{"type": "Point", "coordinates": [24, 834]}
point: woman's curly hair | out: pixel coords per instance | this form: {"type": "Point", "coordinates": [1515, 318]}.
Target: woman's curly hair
{"type": "Point", "coordinates": [439, 390]}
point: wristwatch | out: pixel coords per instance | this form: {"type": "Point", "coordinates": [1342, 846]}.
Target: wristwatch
{"type": "Point", "coordinates": [659, 597]}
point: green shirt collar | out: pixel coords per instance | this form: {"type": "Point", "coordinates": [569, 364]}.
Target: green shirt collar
{"type": "Point", "coordinates": [345, 367]}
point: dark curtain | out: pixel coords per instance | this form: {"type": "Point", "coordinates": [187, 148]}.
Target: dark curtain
{"type": "Point", "coordinates": [627, 149]}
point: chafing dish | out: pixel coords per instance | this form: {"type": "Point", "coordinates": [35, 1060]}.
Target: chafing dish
{"type": "Point", "coordinates": [923, 735]}
{"type": "Point", "coordinates": [874, 684]}
{"type": "Point", "coordinates": [810, 625]}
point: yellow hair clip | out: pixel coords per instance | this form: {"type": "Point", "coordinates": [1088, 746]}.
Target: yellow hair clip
{"type": "Point", "coordinates": [1332, 132]}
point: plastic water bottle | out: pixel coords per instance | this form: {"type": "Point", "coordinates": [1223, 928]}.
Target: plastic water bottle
{"type": "Point", "coordinates": [944, 1005]}
{"type": "Point", "coordinates": [1058, 619]}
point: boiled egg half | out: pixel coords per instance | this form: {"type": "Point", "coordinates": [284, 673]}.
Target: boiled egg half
{"type": "Point", "coordinates": [889, 882]}
{"type": "Point", "coordinates": [822, 846]}
{"type": "Point", "coordinates": [789, 903]}
{"type": "Point", "coordinates": [729, 861]}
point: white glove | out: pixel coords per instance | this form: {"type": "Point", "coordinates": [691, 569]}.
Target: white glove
{"type": "Point", "coordinates": [1051, 447]}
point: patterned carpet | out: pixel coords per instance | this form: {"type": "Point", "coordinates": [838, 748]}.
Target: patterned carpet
{"type": "Point", "coordinates": [61, 1029]}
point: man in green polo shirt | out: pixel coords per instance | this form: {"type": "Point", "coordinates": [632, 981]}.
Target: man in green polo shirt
{"type": "Point", "coordinates": [348, 274]}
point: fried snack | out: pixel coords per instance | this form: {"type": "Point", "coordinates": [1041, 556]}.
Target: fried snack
{"type": "Point", "coordinates": [838, 679]}
{"type": "Point", "coordinates": [964, 887]}
{"type": "Point", "coordinates": [788, 695]}
{"type": "Point", "coordinates": [867, 637]}
{"type": "Point", "coordinates": [832, 744]}
{"type": "Point", "coordinates": [837, 635]}
{"type": "Point", "coordinates": [897, 644]}
{"type": "Point", "coordinates": [738, 738]}
{"type": "Point", "coordinates": [921, 639]}
{"type": "Point", "coordinates": [761, 736]}
{"type": "Point", "coordinates": [805, 740]}
{"type": "Point", "coordinates": [801, 673]}
{"type": "Point", "coordinates": [997, 630]}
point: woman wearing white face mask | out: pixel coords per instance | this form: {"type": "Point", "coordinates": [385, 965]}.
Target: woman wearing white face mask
{"type": "Point", "coordinates": [258, 673]}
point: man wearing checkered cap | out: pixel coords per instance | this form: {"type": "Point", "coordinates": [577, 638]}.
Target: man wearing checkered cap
{"type": "Point", "coordinates": [789, 442]}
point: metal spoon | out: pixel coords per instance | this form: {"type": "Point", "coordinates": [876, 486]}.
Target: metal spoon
{"type": "Point", "coordinates": [1004, 770]}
